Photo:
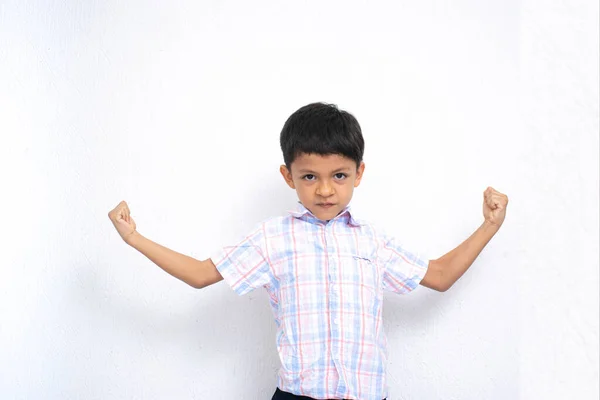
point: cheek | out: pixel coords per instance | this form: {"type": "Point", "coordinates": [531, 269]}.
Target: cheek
{"type": "Point", "coordinates": [347, 186]}
{"type": "Point", "coordinates": [303, 189]}
{"type": "Point", "coordinates": [348, 190]}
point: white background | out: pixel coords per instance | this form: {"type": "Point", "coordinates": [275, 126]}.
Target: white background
{"type": "Point", "coordinates": [177, 109]}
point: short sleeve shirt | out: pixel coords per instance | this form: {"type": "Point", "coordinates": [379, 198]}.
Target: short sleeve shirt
{"type": "Point", "coordinates": [325, 281]}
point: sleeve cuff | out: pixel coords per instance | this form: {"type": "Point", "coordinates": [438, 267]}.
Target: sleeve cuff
{"type": "Point", "coordinates": [228, 271]}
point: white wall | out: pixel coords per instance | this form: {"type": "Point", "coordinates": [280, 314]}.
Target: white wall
{"type": "Point", "coordinates": [177, 110]}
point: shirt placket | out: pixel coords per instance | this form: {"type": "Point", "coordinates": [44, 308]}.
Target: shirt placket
{"type": "Point", "coordinates": [334, 307]}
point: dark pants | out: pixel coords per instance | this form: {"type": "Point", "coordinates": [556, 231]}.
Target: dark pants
{"type": "Point", "coordinates": [281, 395]}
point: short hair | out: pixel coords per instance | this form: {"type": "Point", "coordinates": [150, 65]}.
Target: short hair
{"type": "Point", "coordinates": [321, 128]}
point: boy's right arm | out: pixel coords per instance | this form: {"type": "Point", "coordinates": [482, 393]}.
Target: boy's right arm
{"type": "Point", "coordinates": [194, 272]}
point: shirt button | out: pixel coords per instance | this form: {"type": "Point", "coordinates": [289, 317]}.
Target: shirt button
{"type": "Point", "coordinates": [336, 321]}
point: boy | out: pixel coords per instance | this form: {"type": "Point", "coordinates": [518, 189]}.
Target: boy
{"type": "Point", "coordinates": [324, 269]}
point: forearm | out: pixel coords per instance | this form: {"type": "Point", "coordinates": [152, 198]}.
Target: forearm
{"type": "Point", "coordinates": [455, 263]}
{"type": "Point", "coordinates": [182, 267]}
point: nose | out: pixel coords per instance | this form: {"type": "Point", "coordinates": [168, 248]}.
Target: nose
{"type": "Point", "coordinates": [325, 189]}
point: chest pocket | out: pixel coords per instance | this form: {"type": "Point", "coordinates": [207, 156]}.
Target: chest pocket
{"type": "Point", "coordinates": [363, 270]}
{"type": "Point", "coordinates": [361, 296]}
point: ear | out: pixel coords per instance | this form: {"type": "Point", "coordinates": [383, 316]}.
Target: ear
{"type": "Point", "coordinates": [287, 175]}
{"type": "Point", "coordinates": [359, 174]}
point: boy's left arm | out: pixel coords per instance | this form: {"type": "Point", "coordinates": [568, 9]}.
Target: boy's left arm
{"type": "Point", "coordinates": [446, 270]}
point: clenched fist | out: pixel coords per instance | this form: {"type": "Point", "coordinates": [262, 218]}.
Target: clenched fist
{"type": "Point", "coordinates": [121, 219]}
{"type": "Point", "coordinates": [494, 206]}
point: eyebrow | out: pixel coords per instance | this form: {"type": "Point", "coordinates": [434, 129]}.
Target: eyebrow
{"type": "Point", "coordinates": [303, 171]}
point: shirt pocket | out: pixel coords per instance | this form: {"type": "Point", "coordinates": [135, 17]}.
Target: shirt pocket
{"type": "Point", "coordinates": [359, 282]}
{"type": "Point", "coordinates": [364, 271]}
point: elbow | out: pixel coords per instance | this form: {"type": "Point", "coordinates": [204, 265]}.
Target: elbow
{"type": "Point", "coordinates": [444, 283]}
{"type": "Point", "coordinates": [197, 285]}
{"type": "Point", "coordinates": [204, 275]}
{"type": "Point", "coordinates": [205, 281]}
{"type": "Point", "coordinates": [443, 288]}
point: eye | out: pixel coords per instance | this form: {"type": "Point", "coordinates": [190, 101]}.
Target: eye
{"type": "Point", "coordinates": [342, 175]}
{"type": "Point", "coordinates": [308, 177]}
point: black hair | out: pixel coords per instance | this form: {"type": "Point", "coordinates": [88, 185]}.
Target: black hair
{"type": "Point", "coordinates": [321, 128]}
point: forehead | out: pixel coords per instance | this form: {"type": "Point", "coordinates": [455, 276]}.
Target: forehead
{"type": "Point", "coordinates": [320, 163]}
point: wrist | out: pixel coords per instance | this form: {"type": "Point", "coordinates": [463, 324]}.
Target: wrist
{"type": "Point", "coordinates": [488, 225]}
{"type": "Point", "coordinates": [133, 238]}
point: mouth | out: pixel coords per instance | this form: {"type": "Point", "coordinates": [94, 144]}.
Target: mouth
{"type": "Point", "coordinates": [326, 205]}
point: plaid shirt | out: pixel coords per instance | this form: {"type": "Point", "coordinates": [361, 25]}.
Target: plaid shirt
{"type": "Point", "coordinates": [325, 282]}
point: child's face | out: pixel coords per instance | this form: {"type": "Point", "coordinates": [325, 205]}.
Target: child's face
{"type": "Point", "coordinates": [321, 180]}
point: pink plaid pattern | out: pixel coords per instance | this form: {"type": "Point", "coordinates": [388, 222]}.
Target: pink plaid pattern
{"type": "Point", "coordinates": [325, 283]}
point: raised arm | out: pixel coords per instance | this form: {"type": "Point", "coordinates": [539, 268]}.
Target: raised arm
{"type": "Point", "coordinates": [195, 273]}
{"type": "Point", "coordinates": [446, 270]}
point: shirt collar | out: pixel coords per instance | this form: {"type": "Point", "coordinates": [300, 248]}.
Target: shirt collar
{"type": "Point", "coordinates": [301, 210]}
